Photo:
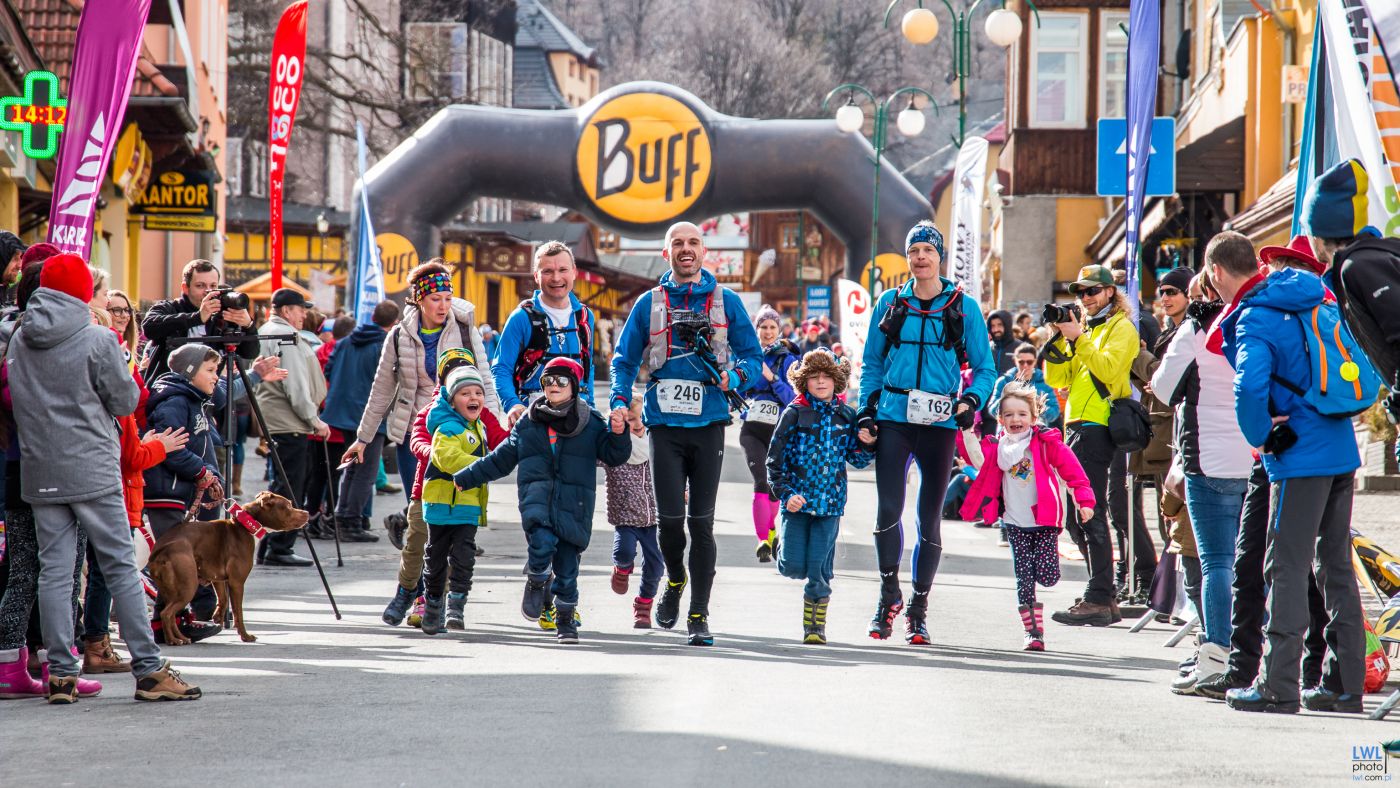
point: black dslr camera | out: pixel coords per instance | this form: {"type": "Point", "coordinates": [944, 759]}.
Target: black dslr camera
{"type": "Point", "coordinates": [228, 299]}
{"type": "Point", "coordinates": [1059, 313]}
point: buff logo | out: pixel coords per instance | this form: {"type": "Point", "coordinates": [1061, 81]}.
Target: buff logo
{"type": "Point", "coordinates": [644, 158]}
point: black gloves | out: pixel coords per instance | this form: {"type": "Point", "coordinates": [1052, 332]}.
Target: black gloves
{"type": "Point", "coordinates": [1281, 438]}
{"type": "Point", "coordinates": [865, 420]}
{"type": "Point", "coordinates": [965, 419]}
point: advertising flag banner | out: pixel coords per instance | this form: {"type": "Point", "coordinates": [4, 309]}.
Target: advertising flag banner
{"type": "Point", "coordinates": [854, 308]}
{"type": "Point", "coordinates": [369, 271]}
{"type": "Point", "coordinates": [104, 59]}
{"type": "Point", "coordinates": [1144, 48]}
{"type": "Point", "coordinates": [1353, 111]}
{"type": "Point", "coordinates": [283, 95]}
{"type": "Point", "coordinates": [965, 232]}
{"type": "Point", "coordinates": [1385, 17]}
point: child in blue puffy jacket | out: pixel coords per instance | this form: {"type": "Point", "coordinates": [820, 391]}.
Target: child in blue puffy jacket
{"type": "Point", "coordinates": [815, 438]}
{"type": "Point", "coordinates": [557, 447]}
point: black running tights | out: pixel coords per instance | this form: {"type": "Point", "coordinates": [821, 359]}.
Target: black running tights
{"type": "Point", "coordinates": [932, 448]}
{"type": "Point", "coordinates": [690, 457]}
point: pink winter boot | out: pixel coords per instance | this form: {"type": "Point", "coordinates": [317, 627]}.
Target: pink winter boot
{"type": "Point", "coordinates": [86, 687]}
{"type": "Point", "coordinates": [15, 681]}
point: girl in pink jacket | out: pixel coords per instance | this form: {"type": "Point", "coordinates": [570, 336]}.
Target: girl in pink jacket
{"type": "Point", "coordinates": [1019, 484]}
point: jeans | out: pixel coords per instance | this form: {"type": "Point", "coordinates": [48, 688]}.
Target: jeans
{"type": "Point", "coordinates": [97, 602]}
{"type": "Point", "coordinates": [807, 550]}
{"type": "Point", "coordinates": [626, 539]}
{"type": "Point", "coordinates": [1094, 450]}
{"type": "Point", "coordinates": [1215, 506]}
{"type": "Point", "coordinates": [357, 482]}
{"type": "Point", "coordinates": [408, 468]}
{"type": "Point", "coordinates": [548, 550]}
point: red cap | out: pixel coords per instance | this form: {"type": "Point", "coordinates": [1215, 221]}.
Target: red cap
{"type": "Point", "coordinates": [1299, 249]}
{"type": "Point", "coordinates": [67, 273]}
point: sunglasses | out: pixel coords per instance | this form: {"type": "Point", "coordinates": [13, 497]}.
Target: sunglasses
{"type": "Point", "coordinates": [562, 381]}
{"type": "Point", "coordinates": [1090, 292]}
{"type": "Point", "coordinates": [119, 310]}
{"type": "Point", "coordinates": [1167, 292]}
{"type": "Point", "coordinates": [1025, 362]}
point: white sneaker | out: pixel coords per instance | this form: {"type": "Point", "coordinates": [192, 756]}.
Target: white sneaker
{"type": "Point", "coordinates": [1211, 662]}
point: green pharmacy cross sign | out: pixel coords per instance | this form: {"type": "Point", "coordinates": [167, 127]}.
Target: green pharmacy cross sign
{"type": "Point", "coordinates": [39, 114]}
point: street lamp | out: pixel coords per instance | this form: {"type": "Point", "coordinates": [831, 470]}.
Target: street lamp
{"type": "Point", "coordinates": [850, 118]}
{"type": "Point", "coordinates": [920, 26]}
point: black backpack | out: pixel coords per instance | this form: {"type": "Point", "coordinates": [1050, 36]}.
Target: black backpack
{"type": "Point", "coordinates": [536, 353]}
{"type": "Point", "coordinates": [892, 323]}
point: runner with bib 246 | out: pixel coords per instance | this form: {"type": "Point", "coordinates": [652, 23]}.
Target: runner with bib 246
{"type": "Point", "coordinates": [696, 339]}
{"type": "Point", "coordinates": [925, 330]}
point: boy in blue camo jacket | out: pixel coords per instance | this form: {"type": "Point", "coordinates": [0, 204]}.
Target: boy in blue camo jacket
{"type": "Point", "coordinates": [815, 438]}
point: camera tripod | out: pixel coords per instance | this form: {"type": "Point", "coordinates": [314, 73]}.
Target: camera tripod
{"type": "Point", "coordinates": [227, 347]}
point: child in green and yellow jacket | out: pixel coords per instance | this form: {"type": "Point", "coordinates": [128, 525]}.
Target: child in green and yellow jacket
{"type": "Point", "coordinates": [459, 439]}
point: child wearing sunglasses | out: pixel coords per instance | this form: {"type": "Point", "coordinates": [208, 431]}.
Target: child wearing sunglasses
{"type": "Point", "coordinates": [557, 446]}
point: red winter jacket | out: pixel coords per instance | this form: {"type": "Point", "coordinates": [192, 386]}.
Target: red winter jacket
{"type": "Point", "coordinates": [136, 457]}
{"type": "Point", "coordinates": [420, 441]}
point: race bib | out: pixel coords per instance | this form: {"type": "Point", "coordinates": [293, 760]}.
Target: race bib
{"type": "Point", "coordinates": [764, 411]}
{"type": "Point", "coordinates": [926, 408]}
{"type": "Point", "coordinates": [680, 397]}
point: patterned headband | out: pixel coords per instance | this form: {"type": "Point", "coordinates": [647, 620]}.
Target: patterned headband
{"type": "Point", "coordinates": [924, 232]}
{"type": "Point", "coordinates": [431, 283]}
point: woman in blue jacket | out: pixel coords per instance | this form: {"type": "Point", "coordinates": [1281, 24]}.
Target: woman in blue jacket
{"type": "Point", "coordinates": [924, 331]}
{"type": "Point", "coordinates": [769, 395]}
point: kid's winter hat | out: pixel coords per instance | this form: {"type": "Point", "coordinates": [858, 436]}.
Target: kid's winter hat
{"type": "Point", "coordinates": [186, 360]}
{"type": "Point", "coordinates": [68, 274]}
{"type": "Point", "coordinates": [1336, 205]}
{"type": "Point", "coordinates": [451, 359]}
{"type": "Point", "coordinates": [566, 367]}
{"type": "Point", "coordinates": [462, 377]}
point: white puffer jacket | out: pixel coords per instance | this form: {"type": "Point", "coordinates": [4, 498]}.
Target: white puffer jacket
{"type": "Point", "coordinates": [1201, 385]}
{"type": "Point", "coordinates": [403, 385]}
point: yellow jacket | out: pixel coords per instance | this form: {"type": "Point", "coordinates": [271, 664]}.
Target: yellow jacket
{"type": "Point", "coordinates": [1106, 350]}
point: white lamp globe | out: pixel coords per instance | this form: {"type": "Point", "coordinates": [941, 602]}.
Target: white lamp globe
{"type": "Point", "coordinates": [920, 26]}
{"type": "Point", "coordinates": [1003, 27]}
{"type": "Point", "coordinates": [850, 118]}
{"type": "Point", "coordinates": [910, 122]}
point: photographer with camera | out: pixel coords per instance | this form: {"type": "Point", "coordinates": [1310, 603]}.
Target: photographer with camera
{"type": "Point", "coordinates": [203, 309]}
{"type": "Point", "coordinates": [1092, 354]}
{"type": "Point", "coordinates": [927, 328]}
{"type": "Point", "coordinates": [696, 339]}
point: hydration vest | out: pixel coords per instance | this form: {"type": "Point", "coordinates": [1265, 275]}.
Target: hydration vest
{"type": "Point", "coordinates": [658, 347]}
{"type": "Point", "coordinates": [951, 314]}
{"type": "Point", "coordinates": [536, 352]}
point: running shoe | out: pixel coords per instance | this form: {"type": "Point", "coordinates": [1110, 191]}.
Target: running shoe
{"type": "Point", "coordinates": [882, 625]}
{"type": "Point", "coordinates": [669, 608]}
{"type": "Point", "coordinates": [698, 628]}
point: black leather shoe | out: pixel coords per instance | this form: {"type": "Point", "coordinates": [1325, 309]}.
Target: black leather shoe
{"type": "Point", "coordinates": [1319, 699]}
{"type": "Point", "coordinates": [286, 559]}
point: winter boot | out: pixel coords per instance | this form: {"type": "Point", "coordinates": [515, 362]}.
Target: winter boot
{"type": "Point", "coordinates": [1033, 635]}
{"type": "Point", "coordinates": [396, 525]}
{"type": "Point", "coordinates": [915, 629]}
{"type": "Point", "coordinates": [433, 615]}
{"type": "Point", "coordinates": [398, 606]}
{"type": "Point", "coordinates": [814, 621]}
{"type": "Point", "coordinates": [415, 618]}
{"type": "Point", "coordinates": [15, 681]}
{"type": "Point", "coordinates": [456, 616]}
{"type": "Point", "coordinates": [620, 578]}
{"type": "Point", "coordinates": [238, 480]}
{"type": "Point", "coordinates": [86, 688]}
{"type": "Point", "coordinates": [62, 690]}
{"type": "Point", "coordinates": [566, 625]}
{"type": "Point", "coordinates": [532, 603]}
{"type": "Point", "coordinates": [166, 684]}
{"type": "Point", "coordinates": [358, 530]}
{"type": "Point", "coordinates": [669, 609]}
{"type": "Point", "coordinates": [98, 657]}
{"type": "Point", "coordinates": [641, 612]}
{"type": "Point", "coordinates": [882, 625]}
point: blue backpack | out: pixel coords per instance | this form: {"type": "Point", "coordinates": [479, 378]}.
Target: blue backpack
{"type": "Point", "coordinates": [1343, 381]}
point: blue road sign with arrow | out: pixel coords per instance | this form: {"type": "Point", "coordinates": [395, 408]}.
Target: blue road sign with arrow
{"type": "Point", "coordinates": [1113, 158]}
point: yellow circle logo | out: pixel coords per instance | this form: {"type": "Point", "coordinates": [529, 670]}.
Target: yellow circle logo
{"type": "Point", "coordinates": [891, 270]}
{"type": "Point", "coordinates": [1350, 372]}
{"type": "Point", "coordinates": [644, 158]}
{"type": "Point", "coordinates": [397, 255]}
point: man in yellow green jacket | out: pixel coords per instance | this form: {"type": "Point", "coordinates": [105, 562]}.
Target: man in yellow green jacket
{"type": "Point", "coordinates": [1092, 357]}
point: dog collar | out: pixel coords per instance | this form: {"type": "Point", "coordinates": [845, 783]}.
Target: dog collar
{"type": "Point", "coordinates": [246, 520]}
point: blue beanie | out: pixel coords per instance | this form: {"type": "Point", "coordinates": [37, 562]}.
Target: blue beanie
{"type": "Point", "coordinates": [1336, 203]}
{"type": "Point", "coordinates": [924, 232]}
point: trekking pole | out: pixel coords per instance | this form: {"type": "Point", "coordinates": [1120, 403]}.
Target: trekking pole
{"type": "Point", "coordinates": [331, 485]}
{"type": "Point", "coordinates": [282, 474]}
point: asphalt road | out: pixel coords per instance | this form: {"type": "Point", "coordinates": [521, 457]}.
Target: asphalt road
{"type": "Point", "coordinates": [353, 702]}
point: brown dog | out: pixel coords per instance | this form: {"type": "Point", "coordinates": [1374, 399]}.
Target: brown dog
{"type": "Point", "coordinates": [219, 553]}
